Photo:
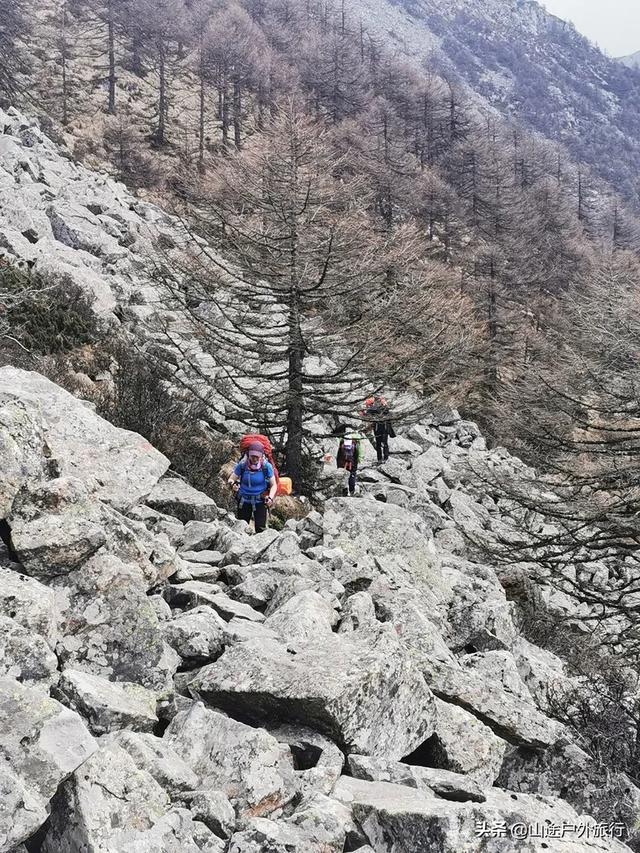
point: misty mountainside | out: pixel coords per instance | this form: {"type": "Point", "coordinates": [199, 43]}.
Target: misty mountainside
{"type": "Point", "coordinates": [534, 68]}
{"type": "Point", "coordinates": [632, 60]}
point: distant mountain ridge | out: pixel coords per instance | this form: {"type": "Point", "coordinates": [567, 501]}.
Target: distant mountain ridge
{"type": "Point", "coordinates": [531, 66]}
{"type": "Point", "coordinates": [632, 60]}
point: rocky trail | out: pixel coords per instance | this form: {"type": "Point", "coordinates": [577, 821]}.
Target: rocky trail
{"type": "Point", "coordinates": [170, 682]}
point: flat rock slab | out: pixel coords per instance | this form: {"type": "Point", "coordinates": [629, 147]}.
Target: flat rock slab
{"type": "Point", "coordinates": [196, 593]}
{"type": "Point", "coordinates": [380, 529]}
{"type": "Point", "coordinates": [211, 558]}
{"type": "Point", "coordinates": [508, 714]}
{"type": "Point", "coordinates": [419, 821]}
{"type": "Point", "coordinates": [108, 705]}
{"type": "Point", "coordinates": [361, 690]}
{"type": "Point", "coordinates": [443, 783]}
{"type": "Point", "coordinates": [119, 466]}
{"type": "Point", "coordinates": [173, 496]}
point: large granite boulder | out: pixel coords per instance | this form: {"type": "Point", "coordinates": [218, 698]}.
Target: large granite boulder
{"type": "Point", "coordinates": [118, 466]}
{"type": "Point", "coordinates": [41, 744]}
{"type": "Point", "coordinates": [360, 689]}
{"type": "Point", "coordinates": [418, 820]}
{"type": "Point", "coordinates": [109, 626]}
{"type": "Point", "coordinates": [108, 705]}
{"type": "Point", "coordinates": [248, 764]}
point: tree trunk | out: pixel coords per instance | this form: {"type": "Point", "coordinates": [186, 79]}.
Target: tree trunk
{"type": "Point", "coordinates": [225, 110]}
{"type": "Point", "coordinates": [295, 391]}
{"type": "Point", "coordinates": [64, 52]}
{"type": "Point", "coordinates": [492, 328]}
{"type": "Point", "coordinates": [202, 110]}
{"type": "Point", "coordinates": [237, 114]}
{"type": "Point", "coordinates": [111, 106]}
{"type": "Point", "coordinates": [162, 96]}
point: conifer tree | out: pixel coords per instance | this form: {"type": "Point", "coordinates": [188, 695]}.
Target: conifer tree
{"type": "Point", "coordinates": [13, 32]}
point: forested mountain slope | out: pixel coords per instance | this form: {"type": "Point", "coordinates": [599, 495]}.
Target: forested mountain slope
{"type": "Point", "coordinates": [492, 228]}
{"type": "Point", "coordinates": [535, 68]}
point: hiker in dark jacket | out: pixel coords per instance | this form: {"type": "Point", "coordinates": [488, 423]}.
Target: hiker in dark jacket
{"type": "Point", "coordinates": [350, 454]}
{"type": "Point", "coordinates": [383, 431]}
{"type": "Point", "coordinates": [376, 412]}
{"type": "Point", "coordinates": [254, 485]}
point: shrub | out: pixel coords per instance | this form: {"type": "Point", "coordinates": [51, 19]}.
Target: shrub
{"type": "Point", "coordinates": [41, 318]}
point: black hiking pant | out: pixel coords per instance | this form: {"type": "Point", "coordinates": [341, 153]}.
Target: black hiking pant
{"type": "Point", "coordinates": [382, 447]}
{"type": "Point", "coordinates": [383, 430]}
{"type": "Point", "coordinates": [353, 470]}
{"type": "Point", "coordinates": [247, 511]}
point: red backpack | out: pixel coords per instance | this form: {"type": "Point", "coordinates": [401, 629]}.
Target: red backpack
{"type": "Point", "coordinates": [252, 438]}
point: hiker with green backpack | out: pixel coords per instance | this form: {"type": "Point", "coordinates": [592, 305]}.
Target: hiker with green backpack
{"type": "Point", "coordinates": [350, 454]}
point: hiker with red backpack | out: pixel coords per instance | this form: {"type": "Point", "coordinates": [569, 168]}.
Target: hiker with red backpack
{"type": "Point", "coordinates": [254, 483]}
{"type": "Point", "coordinates": [350, 454]}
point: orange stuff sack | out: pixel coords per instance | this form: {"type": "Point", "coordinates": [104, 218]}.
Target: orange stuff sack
{"type": "Point", "coordinates": [285, 486]}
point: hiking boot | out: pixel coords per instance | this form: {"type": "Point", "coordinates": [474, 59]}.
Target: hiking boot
{"type": "Point", "coordinates": [352, 494]}
{"type": "Point", "coordinates": [345, 493]}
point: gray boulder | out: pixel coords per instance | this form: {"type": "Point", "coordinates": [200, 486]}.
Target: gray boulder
{"type": "Point", "coordinates": [319, 826]}
{"type": "Point", "coordinates": [247, 764]}
{"type": "Point", "coordinates": [118, 466]}
{"type": "Point", "coordinates": [371, 527]}
{"type": "Point", "coordinates": [53, 545]}
{"type": "Point", "coordinates": [361, 690]}
{"type": "Point", "coordinates": [156, 757]}
{"type": "Point", "coordinates": [214, 809]}
{"type": "Point", "coordinates": [110, 628]}
{"type": "Point", "coordinates": [479, 615]}
{"type": "Point", "coordinates": [200, 536]}
{"type": "Point", "coordinates": [197, 593]}
{"type": "Point", "coordinates": [488, 684]}
{"type": "Point", "coordinates": [25, 656]}
{"type": "Point", "coordinates": [175, 497]}
{"type": "Point", "coordinates": [58, 525]}
{"type": "Point", "coordinates": [250, 549]}
{"type": "Point", "coordinates": [463, 744]}
{"type": "Point", "coordinates": [358, 613]}
{"type": "Point", "coordinates": [198, 635]}
{"type": "Point", "coordinates": [566, 771]}
{"type": "Point", "coordinates": [301, 618]}
{"type": "Point", "coordinates": [29, 603]}
{"type": "Point", "coordinates": [317, 760]}
{"type": "Point", "coordinates": [175, 832]}
{"type": "Point", "coordinates": [22, 448]}
{"type": "Point", "coordinates": [542, 672]}
{"type": "Point", "coordinates": [108, 705]}
{"type": "Point", "coordinates": [417, 820]}
{"type": "Point", "coordinates": [41, 744]}
{"type": "Point", "coordinates": [105, 805]}
{"type": "Point", "coordinates": [443, 783]}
